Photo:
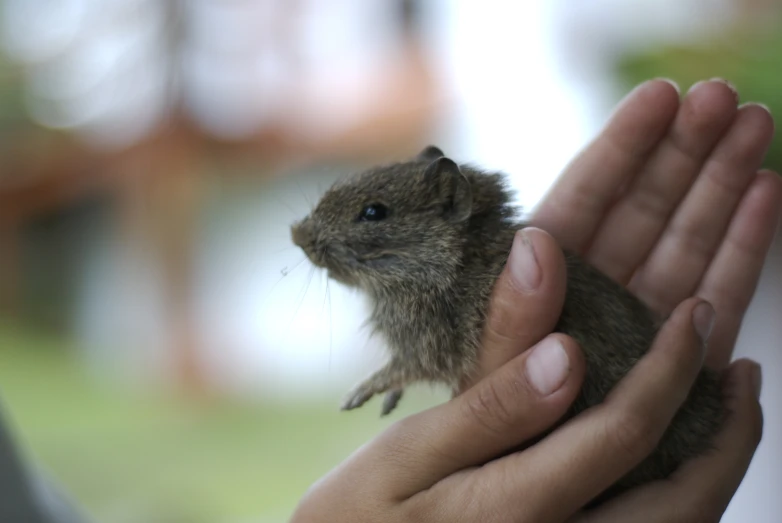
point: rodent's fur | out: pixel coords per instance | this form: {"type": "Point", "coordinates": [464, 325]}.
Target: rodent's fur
{"type": "Point", "coordinates": [429, 268]}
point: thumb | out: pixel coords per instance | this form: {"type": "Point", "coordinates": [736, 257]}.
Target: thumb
{"type": "Point", "coordinates": [526, 300]}
{"type": "Point", "coordinates": [514, 405]}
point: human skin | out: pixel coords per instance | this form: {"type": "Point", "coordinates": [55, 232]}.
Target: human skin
{"type": "Point", "coordinates": [691, 228]}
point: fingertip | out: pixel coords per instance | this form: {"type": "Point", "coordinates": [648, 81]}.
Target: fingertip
{"type": "Point", "coordinates": [525, 269]}
{"type": "Point", "coordinates": [535, 269]}
{"type": "Point", "coordinates": [758, 106]}
{"type": "Point", "coordinates": [645, 113]}
{"type": "Point", "coordinates": [741, 386]}
{"type": "Point", "coordinates": [760, 116]}
{"type": "Point", "coordinates": [676, 355]}
{"type": "Point", "coordinates": [756, 379]}
{"type": "Point", "coordinates": [664, 93]}
{"type": "Point", "coordinates": [573, 349]}
{"type": "Point", "coordinates": [703, 316]}
{"type": "Point", "coordinates": [548, 253]}
{"type": "Point", "coordinates": [743, 377]}
{"type": "Point", "coordinates": [715, 92]}
{"type": "Point", "coordinates": [670, 82]}
{"type": "Point", "coordinates": [695, 315]}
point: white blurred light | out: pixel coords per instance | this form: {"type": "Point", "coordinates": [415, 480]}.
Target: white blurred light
{"type": "Point", "coordinates": [225, 95]}
{"type": "Point", "coordinates": [96, 67]}
{"type": "Point", "coordinates": [518, 113]}
{"type": "Point", "coordinates": [224, 87]}
{"type": "Point", "coordinates": [39, 30]}
{"type": "Point", "coordinates": [230, 28]}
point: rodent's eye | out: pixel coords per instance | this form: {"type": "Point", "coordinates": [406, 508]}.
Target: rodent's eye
{"type": "Point", "coordinates": [373, 213]}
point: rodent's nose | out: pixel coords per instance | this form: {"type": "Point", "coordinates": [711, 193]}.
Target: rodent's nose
{"type": "Point", "coordinates": [302, 234]}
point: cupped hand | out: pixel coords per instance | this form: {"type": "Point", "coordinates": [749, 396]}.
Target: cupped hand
{"type": "Point", "coordinates": [669, 201]}
{"type": "Point", "coordinates": [701, 489]}
{"type": "Point", "coordinates": [442, 464]}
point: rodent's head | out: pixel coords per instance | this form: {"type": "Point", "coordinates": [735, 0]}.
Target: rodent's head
{"type": "Point", "coordinates": [394, 225]}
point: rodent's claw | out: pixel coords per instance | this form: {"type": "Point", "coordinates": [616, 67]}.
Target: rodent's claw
{"type": "Point", "coordinates": [385, 380]}
{"type": "Point", "coordinates": [357, 398]}
{"type": "Point", "coordinates": [390, 401]}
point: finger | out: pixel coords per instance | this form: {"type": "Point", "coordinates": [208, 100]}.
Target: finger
{"type": "Point", "coordinates": [702, 488]}
{"type": "Point", "coordinates": [514, 404]}
{"type": "Point", "coordinates": [732, 277]}
{"type": "Point", "coordinates": [633, 225]}
{"type": "Point", "coordinates": [697, 228]}
{"type": "Point", "coordinates": [526, 301]}
{"type": "Point", "coordinates": [590, 183]}
{"type": "Point", "coordinates": [591, 452]}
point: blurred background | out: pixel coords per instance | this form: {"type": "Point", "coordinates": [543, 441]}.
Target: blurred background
{"type": "Point", "coordinates": [165, 352]}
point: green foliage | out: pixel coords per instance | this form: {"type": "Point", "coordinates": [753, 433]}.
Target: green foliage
{"type": "Point", "coordinates": [751, 62]}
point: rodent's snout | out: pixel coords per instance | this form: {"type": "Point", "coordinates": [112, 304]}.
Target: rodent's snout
{"type": "Point", "coordinates": [305, 236]}
{"type": "Point", "coordinates": [302, 233]}
{"type": "Point", "coordinates": [311, 240]}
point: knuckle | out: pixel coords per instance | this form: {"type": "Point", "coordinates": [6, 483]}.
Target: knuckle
{"type": "Point", "coordinates": [500, 321]}
{"type": "Point", "coordinates": [651, 203]}
{"type": "Point", "coordinates": [424, 507]}
{"type": "Point", "coordinates": [491, 405]}
{"type": "Point", "coordinates": [400, 441]}
{"type": "Point", "coordinates": [459, 504]}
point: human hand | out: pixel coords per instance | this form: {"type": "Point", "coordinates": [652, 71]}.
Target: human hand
{"type": "Point", "coordinates": [668, 200]}
{"type": "Point", "coordinates": [442, 465]}
{"type": "Point", "coordinates": [701, 489]}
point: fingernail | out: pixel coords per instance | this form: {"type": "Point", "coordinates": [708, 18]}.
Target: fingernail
{"type": "Point", "coordinates": [523, 263]}
{"type": "Point", "coordinates": [672, 82]}
{"type": "Point", "coordinates": [548, 366]}
{"type": "Point", "coordinates": [729, 85]}
{"type": "Point", "coordinates": [756, 379]}
{"type": "Point", "coordinates": [703, 320]}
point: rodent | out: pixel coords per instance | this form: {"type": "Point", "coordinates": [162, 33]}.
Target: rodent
{"type": "Point", "coordinates": [426, 239]}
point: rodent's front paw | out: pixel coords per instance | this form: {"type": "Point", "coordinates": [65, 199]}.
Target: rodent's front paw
{"type": "Point", "coordinates": [358, 396]}
{"type": "Point", "coordinates": [388, 379]}
{"type": "Point", "coordinates": [364, 392]}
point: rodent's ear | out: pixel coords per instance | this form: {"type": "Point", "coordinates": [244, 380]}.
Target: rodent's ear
{"type": "Point", "coordinates": [450, 187]}
{"type": "Point", "coordinates": [430, 154]}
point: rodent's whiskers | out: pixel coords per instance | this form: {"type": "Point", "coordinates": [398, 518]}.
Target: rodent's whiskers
{"type": "Point", "coordinates": [285, 271]}
{"type": "Point", "coordinates": [304, 294]}
{"type": "Point", "coordinates": [327, 297]}
{"type": "Point", "coordinates": [306, 198]}
{"type": "Point", "coordinates": [288, 206]}
{"type": "Point", "coordinates": [283, 249]}
{"type": "Point", "coordinates": [331, 324]}
{"type": "Point", "coordinates": [323, 306]}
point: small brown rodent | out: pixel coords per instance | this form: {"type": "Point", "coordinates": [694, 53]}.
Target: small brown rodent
{"type": "Point", "coordinates": [426, 240]}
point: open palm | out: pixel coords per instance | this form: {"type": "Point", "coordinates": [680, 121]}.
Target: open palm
{"type": "Point", "coordinates": [669, 200]}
